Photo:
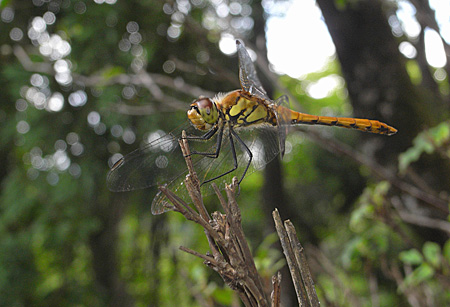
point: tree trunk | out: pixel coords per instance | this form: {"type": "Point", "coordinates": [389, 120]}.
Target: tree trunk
{"type": "Point", "coordinates": [379, 86]}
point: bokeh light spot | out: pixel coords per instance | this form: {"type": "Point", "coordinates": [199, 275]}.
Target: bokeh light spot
{"type": "Point", "coordinates": [16, 34]}
{"type": "Point", "coordinates": [80, 7]}
{"type": "Point", "coordinates": [22, 127]}
{"type": "Point", "coordinates": [77, 149]}
{"type": "Point", "coordinates": [169, 66]}
{"type": "Point", "coordinates": [75, 170]}
{"type": "Point", "coordinates": [21, 105]}
{"type": "Point", "coordinates": [132, 27]}
{"type": "Point", "coordinates": [49, 18]}
{"type": "Point", "coordinates": [408, 50]}
{"type": "Point", "coordinates": [60, 145]}
{"type": "Point", "coordinates": [7, 15]}
{"type": "Point", "coordinates": [93, 118]}
{"type": "Point", "coordinates": [78, 98]}
{"type": "Point", "coordinates": [52, 178]}
{"type": "Point", "coordinates": [116, 130]}
{"type": "Point", "coordinates": [129, 136]}
{"type": "Point", "coordinates": [72, 138]}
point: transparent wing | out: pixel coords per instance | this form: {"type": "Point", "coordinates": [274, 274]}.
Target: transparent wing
{"type": "Point", "coordinates": [262, 142]}
{"type": "Point", "coordinates": [283, 116]}
{"type": "Point", "coordinates": [247, 73]}
{"type": "Point", "coordinates": [155, 162]}
{"type": "Point", "coordinates": [251, 84]}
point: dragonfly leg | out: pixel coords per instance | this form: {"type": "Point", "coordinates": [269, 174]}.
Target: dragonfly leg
{"type": "Point", "coordinates": [249, 152]}
{"type": "Point", "coordinates": [233, 151]}
{"type": "Point", "coordinates": [207, 136]}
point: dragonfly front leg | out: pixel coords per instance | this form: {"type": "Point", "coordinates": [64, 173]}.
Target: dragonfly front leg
{"type": "Point", "coordinates": [206, 137]}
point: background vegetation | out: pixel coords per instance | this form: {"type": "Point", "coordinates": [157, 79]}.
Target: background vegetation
{"type": "Point", "coordinates": [85, 80]}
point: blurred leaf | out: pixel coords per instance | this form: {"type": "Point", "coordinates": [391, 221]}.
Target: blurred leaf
{"type": "Point", "coordinates": [223, 296]}
{"type": "Point", "coordinates": [446, 250]}
{"type": "Point", "coordinates": [112, 72]}
{"type": "Point", "coordinates": [427, 141]}
{"type": "Point", "coordinates": [423, 273]}
{"type": "Point", "coordinates": [358, 215]}
{"type": "Point", "coordinates": [268, 259]}
{"type": "Point", "coordinates": [370, 201]}
{"type": "Point", "coordinates": [412, 257]}
{"type": "Point", "coordinates": [4, 3]}
{"type": "Point", "coordinates": [414, 72]}
{"type": "Point", "coordinates": [432, 252]}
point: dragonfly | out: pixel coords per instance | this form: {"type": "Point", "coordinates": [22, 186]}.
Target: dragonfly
{"type": "Point", "coordinates": [231, 134]}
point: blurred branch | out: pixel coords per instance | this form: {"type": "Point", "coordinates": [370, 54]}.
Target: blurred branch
{"type": "Point", "coordinates": [335, 146]}
{"type": "Point", "coordinates": [320, 260]}
{"type": "Point", "coordinates": [28, 65]}
{"type": "Point", "coordinates": [413, 294]}
{"type": "Point", "coordinates": [419, 219]}
{"type": "Point", "coordinates": [298, 266]}
{"type": "Point", "coordinates": [151, 81]}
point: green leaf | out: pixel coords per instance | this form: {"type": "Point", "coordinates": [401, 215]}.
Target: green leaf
{"type": "Point", "coordinates": [412, 257]}
{"type": "Point", "coordinates": [112, 72]}
{"type": "Point", "coordinates": [223, 296]}
{"type": "Point", "coordinates": [423, 273]}
{"type": "Point", "coordinates": [432, 252]}
{"type": "Point", "coordinates": [446, 250]}
{"type": "Point", "coordinates": [4, 3]}
{"type": "Point", "coordinates": [426, 141]}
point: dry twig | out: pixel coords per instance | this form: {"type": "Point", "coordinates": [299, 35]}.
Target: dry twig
{"type": "Point", "coordinates": [230, 254]}
{"type": "Point", "coordinates": [298, 266]}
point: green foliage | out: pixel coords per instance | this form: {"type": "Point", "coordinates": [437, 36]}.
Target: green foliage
{"type": "Point", "coordinates": [428, 141]}
{"type": "Point", "coordinates": [268, 260]}
{"type": "Point", "coordinates": [414, 72]}
{"type": "Point", "coordinates": [421, 274]}
{"type": "Point", "coordinates": [412, 257]}
{"type": "Point", "coordinates": [428, 264]}
{"type": "Point", "coordinates": [66, 240]}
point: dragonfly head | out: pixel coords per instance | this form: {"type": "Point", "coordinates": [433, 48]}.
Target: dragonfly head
{"type": "Point", "coordinates": [203, 113]}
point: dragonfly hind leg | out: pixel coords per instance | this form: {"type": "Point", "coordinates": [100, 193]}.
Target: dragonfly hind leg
{"type": "Point", "coordinates": [233, 151]}
{"type": "Point", "coordinates": [249, 152]}
{"type": "Point", "coordinates": [235, 161]}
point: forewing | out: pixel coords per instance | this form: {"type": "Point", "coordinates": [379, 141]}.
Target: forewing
{"type": "Point", "coordinates": [156, 162]}
{"type": "Point", "coordinates": [247, 73]}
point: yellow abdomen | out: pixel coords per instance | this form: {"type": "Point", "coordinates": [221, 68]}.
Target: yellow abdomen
{"type": "Point", "coordinates": [367, 125]}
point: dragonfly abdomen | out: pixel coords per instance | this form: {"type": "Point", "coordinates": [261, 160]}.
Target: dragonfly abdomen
{"type": "Point", "coordinates": [367, 125]}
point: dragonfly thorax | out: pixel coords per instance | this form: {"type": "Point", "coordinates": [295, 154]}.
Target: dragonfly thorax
{"type": "Point", "coordinates": [203, 113]}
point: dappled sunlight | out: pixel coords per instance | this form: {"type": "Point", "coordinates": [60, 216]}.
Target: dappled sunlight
{"type": "Point", "coordinates": [301, 52]}
{"type": "Point", "coordinates": [434, 49]}
{"type": "Point", "coordinates": [324, 87]}
{"type": "Point", "coordinates": [57, 162]}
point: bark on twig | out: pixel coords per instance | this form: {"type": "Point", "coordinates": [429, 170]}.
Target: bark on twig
{"type": "Point", "coordinates": [298, 266]}
{"type": "Point", "coordinates": [276, 293]}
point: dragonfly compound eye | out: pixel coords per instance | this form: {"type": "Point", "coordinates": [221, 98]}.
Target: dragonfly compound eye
{"type": "Point", "coordinates": [208, 110]}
